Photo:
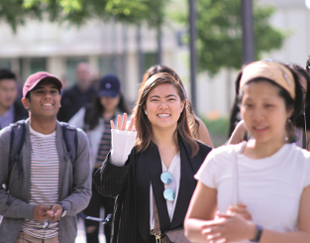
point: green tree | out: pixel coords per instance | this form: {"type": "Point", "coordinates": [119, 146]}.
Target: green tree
{"type": "Point", "coordinates": [219, 25]}
{"type": "Point", "coordinates": [16, 12]}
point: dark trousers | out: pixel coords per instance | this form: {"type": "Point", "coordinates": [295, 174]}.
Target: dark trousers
{"type": "Point", "coordinates": [93, 209]}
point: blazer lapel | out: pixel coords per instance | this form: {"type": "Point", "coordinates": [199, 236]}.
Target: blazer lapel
{"type": "Point", "coordinates": [155, 170]}
{"type": "Point", "coordinates": [143, 197]}
{"type": "Point", "coordinates": [187, 184]}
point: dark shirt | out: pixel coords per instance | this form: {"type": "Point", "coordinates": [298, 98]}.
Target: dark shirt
{"type": "Point", "coordinates": [19, 113]}
{"type": "Point", "coordinates": [8, 117]}
{"type": "Point", "coordinates": [72, 101]}
{"type": "Point", "coordinates": [105, 143]}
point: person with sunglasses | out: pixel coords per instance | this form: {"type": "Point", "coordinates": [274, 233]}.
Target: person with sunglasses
{"type": "Point", "coordinates": [154, 165]}
{"type": "Point", "coordinates": [257, 190]}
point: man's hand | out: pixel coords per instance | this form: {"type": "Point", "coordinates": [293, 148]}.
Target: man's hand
{"type": "Point", "coordinates": [40, 212]}
{"type": "Point", "coordinates": [57, 211]}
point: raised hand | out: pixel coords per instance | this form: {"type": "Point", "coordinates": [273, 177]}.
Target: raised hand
{"type": "Point", "coordinates": [121, 125]}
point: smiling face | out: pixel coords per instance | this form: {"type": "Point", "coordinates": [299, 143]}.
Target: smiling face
{"type": "Point", "coordinates": [164, 106]}
{"type": "Point", "coordinates": [44, 100]}
{"type": "Point", "coordinates": [264, 112]}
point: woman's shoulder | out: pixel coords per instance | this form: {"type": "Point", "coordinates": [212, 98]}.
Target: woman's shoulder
{"type": "Point", "coordinates": [227, 151]}
{"type": "Point", "coordinates": [298, 151]}
{"type": "Point", "coordinates": [203, 146]}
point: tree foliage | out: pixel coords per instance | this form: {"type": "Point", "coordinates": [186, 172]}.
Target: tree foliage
{"type": "Point", "coordinates": [220, 33]}
{"type": "Point", "coordinates": [15, 12]}
{"type": "Point", "coordinates": [219, 28]}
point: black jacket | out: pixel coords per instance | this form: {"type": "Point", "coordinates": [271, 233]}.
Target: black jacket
{"type": "Point", "coordinates": [131, 184]}
{"type": "Point", "coordinates": [72, 101]}
{"type": "Point", "coordinates": [20, 112]}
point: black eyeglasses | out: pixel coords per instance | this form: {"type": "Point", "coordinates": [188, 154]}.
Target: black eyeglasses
{"type": "Point", "coordinates": [166, 178]}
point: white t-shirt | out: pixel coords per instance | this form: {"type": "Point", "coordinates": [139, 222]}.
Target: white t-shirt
{"type": "Point", "coordinates": [271, 187]}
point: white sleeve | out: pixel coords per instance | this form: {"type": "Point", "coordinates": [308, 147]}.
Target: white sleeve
{"type": "Point", "coordinates": [307, 169]}
{"type": "Point", "coordinates": [122, 144]}
{"type": "Point", "coordinates": [207, 172]}
{"type": "Point", "coordinates": [78, 119]}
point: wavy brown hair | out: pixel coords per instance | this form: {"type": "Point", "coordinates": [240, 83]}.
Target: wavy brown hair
{"type": "Point", "coordinates": [142, 123]}
{"type": "Point", "coordinates": [158, 68]}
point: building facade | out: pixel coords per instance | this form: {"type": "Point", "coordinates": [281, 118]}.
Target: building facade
{"type": "Point", "coordinates": [111, 47]}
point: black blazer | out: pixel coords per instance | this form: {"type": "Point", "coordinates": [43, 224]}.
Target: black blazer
{"type": "Point", "coordinates": [72, 101]}
{"type": "Point", "coordinates": [20, 112]}
{"type": "Point", "coordinates": [131, 184]}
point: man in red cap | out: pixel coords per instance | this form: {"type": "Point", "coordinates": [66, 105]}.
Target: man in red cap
{"type": "Point", "coordinates": [47, 186]}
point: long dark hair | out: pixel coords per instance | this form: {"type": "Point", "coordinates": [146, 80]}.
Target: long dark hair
{"type": "Point", "coordinates": [158, 68]}
{"type": "Point", "coordinates": [300, 120]}
{"type": "Point", "coordinates": [94, 112]}
{"type": "Point", "coordinates": [142, 123]}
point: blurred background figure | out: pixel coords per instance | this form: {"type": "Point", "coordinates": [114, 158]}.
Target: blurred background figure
{"type": "Point", "coordinates": [302, 130]}
{"type": "Point", "coordinates": [11, 108]}
{"type": "Point", "coordinates": [95, 121]}
{"type": "Point", "coordinates": [79, 95]}
{"type": "Point", "coordinates": [308, 64]}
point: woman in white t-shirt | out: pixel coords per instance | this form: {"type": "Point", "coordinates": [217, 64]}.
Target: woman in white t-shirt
{"type": "Point", "coordinates": [257, 191]}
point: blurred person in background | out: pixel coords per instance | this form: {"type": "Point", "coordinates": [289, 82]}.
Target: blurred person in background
{"type": "Point", "coordinates": [302, 130]}
{"type": "Point", "coordinates": [107, 105]}
{"type": "Point", "coordinates": [79, 95]}
{"type": "Point", "coordinates": [201, 131]}
{"type": "Point", "coordinates": [11, 108]}
{"type": "Point", "coordinates": [308, 65]}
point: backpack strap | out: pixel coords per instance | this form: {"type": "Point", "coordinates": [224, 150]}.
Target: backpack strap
{"type": "Point", "coordinates": [18, 134]}
{"type": "Point", "coordinates": [69, 134]}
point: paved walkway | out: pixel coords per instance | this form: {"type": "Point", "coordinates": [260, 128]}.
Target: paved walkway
{"type": "Point", "coordinates": [81, 238]}
{"type": "Point", "coordinates": [81, 233]}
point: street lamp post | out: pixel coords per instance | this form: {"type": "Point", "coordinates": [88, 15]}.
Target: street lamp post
{"type": "Point", "coordinates": [193, 53]}
{"type": "Point", "coordinates": [139, 52]}
{"type": "Point", "coordinates": [247, 30]}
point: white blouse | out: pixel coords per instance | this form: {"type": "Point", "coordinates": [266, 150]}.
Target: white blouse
{"type": "Point", "coordinates": [175, 170]}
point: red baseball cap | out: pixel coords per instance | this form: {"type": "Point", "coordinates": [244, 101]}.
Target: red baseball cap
{"type": "Point", "coordinates": [36, 78]}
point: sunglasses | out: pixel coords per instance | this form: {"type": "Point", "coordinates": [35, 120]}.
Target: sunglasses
{"type": "Point", "coordinates": [166, 178]}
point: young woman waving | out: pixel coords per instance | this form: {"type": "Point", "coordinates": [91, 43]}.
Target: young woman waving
{"type": "Point", "coordinates": [155, 165]}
